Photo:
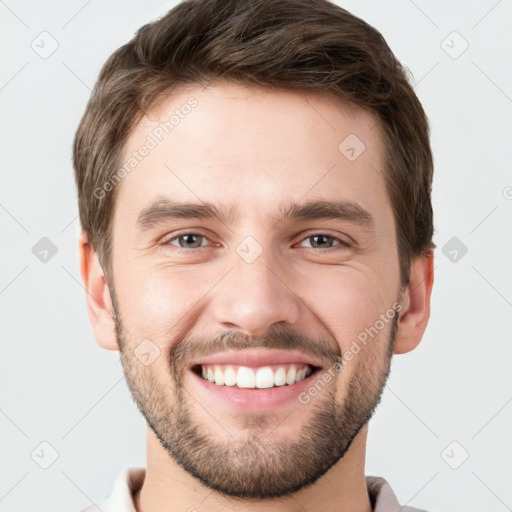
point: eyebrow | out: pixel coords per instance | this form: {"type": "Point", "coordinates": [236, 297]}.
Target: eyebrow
{"type": "Point", "coordinates": [164, 209]}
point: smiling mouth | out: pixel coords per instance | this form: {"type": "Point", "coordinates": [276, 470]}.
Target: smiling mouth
{"type": "Point", "coordinates": [262, 377]}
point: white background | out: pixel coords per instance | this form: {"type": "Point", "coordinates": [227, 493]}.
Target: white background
{"type": "Point", "coordinates": [58, 386]}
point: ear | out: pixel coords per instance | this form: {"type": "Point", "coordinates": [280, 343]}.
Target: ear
{"type": "Point", "coordinates": [415, 311]}
{"type": "Point", "coordinates": [99, 304]}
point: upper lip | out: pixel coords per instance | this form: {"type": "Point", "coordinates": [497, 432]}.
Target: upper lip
{"type": "Point", "coordinates": [257, 357]}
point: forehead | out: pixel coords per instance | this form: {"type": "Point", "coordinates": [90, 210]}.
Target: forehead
{"type": "Point", "coordinates": [250, 149]}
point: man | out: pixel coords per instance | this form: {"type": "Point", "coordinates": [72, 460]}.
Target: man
{"type": "Point", "coordinates": [254, 183]}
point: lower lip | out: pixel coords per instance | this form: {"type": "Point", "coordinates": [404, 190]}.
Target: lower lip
{"type": "Point", "coordinates": [255, 398]}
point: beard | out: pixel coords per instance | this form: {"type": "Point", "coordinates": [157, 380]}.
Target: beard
{"type": "Point", "coordinates": [257, 466]}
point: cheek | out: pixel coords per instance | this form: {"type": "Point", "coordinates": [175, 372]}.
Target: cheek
{"type": "Point", "coordinates": [161, 303]}
{"type": "Point", "coordinates": [347, 301]}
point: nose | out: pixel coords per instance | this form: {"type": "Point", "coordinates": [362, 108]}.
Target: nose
{"type": "Point", "coordinates": [255, 296]}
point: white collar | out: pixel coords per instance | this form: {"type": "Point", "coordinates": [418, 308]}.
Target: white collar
{"type": "Point", "coordinates": [130, 480]}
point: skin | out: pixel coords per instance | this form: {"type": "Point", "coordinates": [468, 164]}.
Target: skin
{"type": "Point", "coordinates": [252, 149]}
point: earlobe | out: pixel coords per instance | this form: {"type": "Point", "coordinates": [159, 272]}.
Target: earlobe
{"type": "Point", "coordinates": [415, 311]}
{"type": "Point", "coordinates": [99, 305]}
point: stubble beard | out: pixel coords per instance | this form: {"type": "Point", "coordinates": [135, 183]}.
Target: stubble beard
{"type": "Point", "coordinates": [259, 466]}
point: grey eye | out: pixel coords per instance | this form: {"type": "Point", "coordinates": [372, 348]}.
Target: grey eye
{"type": "Point", "coordinates": [189, 240]}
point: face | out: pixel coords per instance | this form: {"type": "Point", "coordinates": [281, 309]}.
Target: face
{"type": "Point", "coordinates": [255, 281]}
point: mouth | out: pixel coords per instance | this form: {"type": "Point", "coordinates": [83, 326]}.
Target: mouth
{"type": "Point", "coordinates": [262, 377]}
{"type": "Point", "coordinates": [254, 379]}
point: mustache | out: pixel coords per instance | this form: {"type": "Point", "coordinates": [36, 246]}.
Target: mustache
{"type": "Point", "coordinates": [195, 347]}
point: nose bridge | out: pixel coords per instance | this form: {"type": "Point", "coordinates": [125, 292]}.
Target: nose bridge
{"type": "Point", "coordinates": [254, 296]}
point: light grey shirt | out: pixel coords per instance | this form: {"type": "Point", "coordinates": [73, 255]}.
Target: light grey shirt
{"type": "Point", "coordinates": [381, 495]}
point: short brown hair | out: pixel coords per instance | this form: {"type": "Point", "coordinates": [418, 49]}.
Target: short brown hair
{"type": "Point", "coordinates": [304, 45]}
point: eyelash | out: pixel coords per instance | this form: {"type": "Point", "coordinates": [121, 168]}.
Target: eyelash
{"type": "Point", "coordinates": [342, 243]}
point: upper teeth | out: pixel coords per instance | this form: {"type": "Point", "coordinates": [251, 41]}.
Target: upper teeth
{"type": "Point", "coordinates": [262, 377]}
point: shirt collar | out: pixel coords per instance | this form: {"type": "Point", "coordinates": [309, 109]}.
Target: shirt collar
{"type": "Point", "coordinates": [129, 481]}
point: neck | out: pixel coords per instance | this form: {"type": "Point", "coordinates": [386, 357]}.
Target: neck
{"type": "Point", "coordinates": [168, 487]}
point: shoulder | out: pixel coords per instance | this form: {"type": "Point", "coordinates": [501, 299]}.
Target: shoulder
{"type": "Point", "coordinates": [383, 498]}
{"type": "Point", "coordinates": [128, 481]}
